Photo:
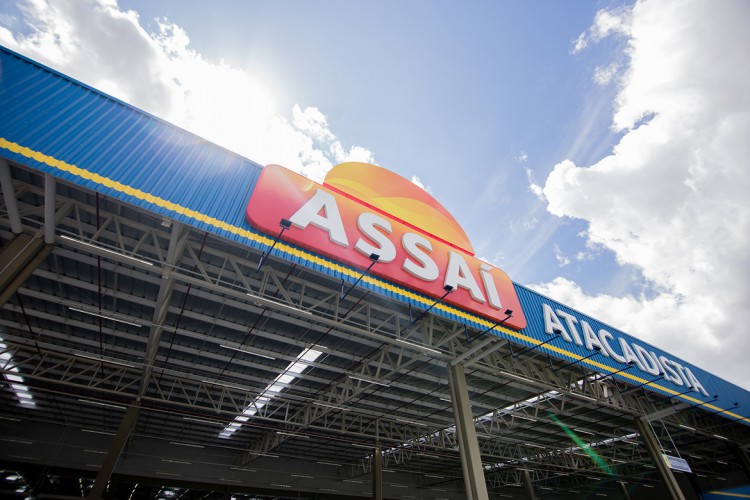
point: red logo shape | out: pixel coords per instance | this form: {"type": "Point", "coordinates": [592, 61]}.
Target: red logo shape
{"type": "Point", "coordinates": [363, 209]}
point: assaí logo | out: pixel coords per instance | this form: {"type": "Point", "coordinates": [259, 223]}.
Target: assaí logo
{"type": "Point", "coordinates": [363, 209]}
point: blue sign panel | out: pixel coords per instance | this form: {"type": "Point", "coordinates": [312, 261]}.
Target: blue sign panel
{"type": "Point", "coordinates": [569, 335]}
{"type": "Point", "coordinates": [676, 463]}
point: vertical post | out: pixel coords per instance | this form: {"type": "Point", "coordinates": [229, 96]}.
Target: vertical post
{"type": "Point", "coordinates": [459, 440]}
{"type": "Point", "coordinates": [625, 492]}
{"type": "Point", "coordinates": [377, 473]}
{"type": "Point", "coordinates": [652, 444]}
{"type": "Point", "coordinates": [49, 209]}
{"type": "Point", "coordinates": [471, 460]}
{"type": "Point", "coordinates": [6, 181]}
{"type": "Point", "coordinates": [528, 485]}
{"type": "Point", "coordinates": [118, 444]}
{"type": "Point", "coordinates": [696, 488]}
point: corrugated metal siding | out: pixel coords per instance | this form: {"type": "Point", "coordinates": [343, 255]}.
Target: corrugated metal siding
{"type": "Point", "coordinates": [67, 121]}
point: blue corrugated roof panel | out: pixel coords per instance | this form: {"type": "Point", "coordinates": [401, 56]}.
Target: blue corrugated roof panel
{"type": "Point", "coordinates": [67, 121]}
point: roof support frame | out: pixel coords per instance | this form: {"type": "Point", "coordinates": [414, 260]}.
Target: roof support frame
{"type": "Point", "coordinates": [174, 254]}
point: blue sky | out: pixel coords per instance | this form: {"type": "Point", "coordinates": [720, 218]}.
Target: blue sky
{"type": "Point", "coordinates": [489, 83]}
{"type": "Point", "coordinates": [594, 150]}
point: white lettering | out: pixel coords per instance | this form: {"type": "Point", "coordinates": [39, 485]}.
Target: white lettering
{"type": "Point", "coordinates": [552, 323]}
{"type": "Point", "coordinates": [368, 225]}
{"type": "Point", "coordinates": [424, 268]}
{"type": "Point", "coordinates": [329, 221]}
{"type": "Point", "coordinates": [605, 337]}
{"type": "Point", "coordinates": [670, 374]}
{"type": "Point", "coordinates": [647, 361]}
{"type": "Point", "coordinates": [591, 340]}
{"type": "Point", "coordinates": [489, 286]}
{"type": "Point", "coordinates": [694, 382]}
{"type": "Point", "coordinates": [632, 353]}
{"type": "Point", "coordinates": [662, 371]}
{"type": "Point", "coordinates": [629, 355]}
{"type": "Point", "coordinates": [571, 321]}
{"type": "Point", "coordinates": [681, 370]}
{"type": "Point", "coordinates": [458, 275]}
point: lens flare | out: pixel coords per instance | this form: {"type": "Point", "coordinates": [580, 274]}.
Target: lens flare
{"type": "Point", "coordinates": [594, 456]}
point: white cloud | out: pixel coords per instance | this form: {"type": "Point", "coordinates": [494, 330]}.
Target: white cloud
{"type": "Point", "coordinates": [580, 43]}
{"type": "Point", "coordinates": [671, 198]}
{"type": "Point", "coordinates": [534, 187]}
{"type": "Point", "coordinates": [606, 23]}
{"type": "Point", "coordinates": [604, 74]}
{"type": "Point", "coordinates": [560, 257]}
{"type": "Point", "coordinates": [418, 182]}
{"type": "Point", "coordinates": [96, 42]}
{"type": "Point", "coordinates": [530, 223]}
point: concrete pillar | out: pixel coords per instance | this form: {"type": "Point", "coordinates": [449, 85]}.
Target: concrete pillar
{"type": "Point", "coordinates": [377, 473]}
{"type": "Point", "coordinates": [471, 460]}
{"type": "Point", "coordinates": [652, 445]}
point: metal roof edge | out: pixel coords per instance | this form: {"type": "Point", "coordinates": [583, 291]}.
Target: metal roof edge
{"type": "Point", "coordinates": [120, 102]}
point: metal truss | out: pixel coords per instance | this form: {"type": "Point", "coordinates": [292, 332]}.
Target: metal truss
{"type": "Point", "coordinates": [513, 396]}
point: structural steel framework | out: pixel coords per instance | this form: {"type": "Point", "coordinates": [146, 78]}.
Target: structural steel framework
{"type": "Point", "coordinates": [128, 329]}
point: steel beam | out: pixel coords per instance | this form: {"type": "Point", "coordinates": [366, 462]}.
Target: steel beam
{"type": "Point", "coordinates": [476, 348]}
{"type": "Point", "coordinates": [23, 255]}
{"type": "Point", "coordinates": [174, 254]}
{"type": "Point", "coordinates": [668, 411]}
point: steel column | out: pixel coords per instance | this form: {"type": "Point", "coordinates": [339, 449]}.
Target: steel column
{"type": "Point", "coordinates": [49, 209]}
{"type": "Point", "coordinates": [654, 449]}
{"type": "Point", "coordinates": [528, 485]}
{"type": "Point", "coordinates": [624, 488]}
{"type": "Point", "coordinates": [471, 460]}
{"type": "Point", "coordinates": [459, 439]}
{"type": "Point", "coordinates": [377, 473]}
{"type": "Point", "coordinates": [123, 433]}
{"type": "Point", "coordinates": [11, 205]}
